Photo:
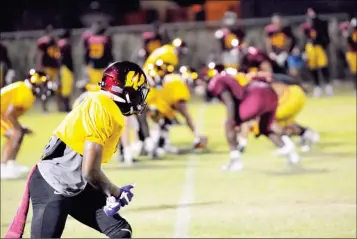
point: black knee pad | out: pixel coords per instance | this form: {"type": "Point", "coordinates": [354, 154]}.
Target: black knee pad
{"type": "Point", "coordinates": [122, 232]}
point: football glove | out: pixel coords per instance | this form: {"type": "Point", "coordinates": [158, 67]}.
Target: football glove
{"type": "Point", "coordinates": [126, 195]}
{"type": "Point", "coordinates": [113, 204]}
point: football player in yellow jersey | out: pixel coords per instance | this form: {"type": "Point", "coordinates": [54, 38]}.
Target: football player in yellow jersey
{"type": "Point", "coordinates": [16, 99]}
{"type": "Point", "coordinates": [172, 94]}
{"type": "Point", "coordinates": [69, 180]}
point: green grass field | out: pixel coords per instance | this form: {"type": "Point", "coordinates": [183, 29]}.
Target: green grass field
{"type": "Point", "coordinates": [188, 195]}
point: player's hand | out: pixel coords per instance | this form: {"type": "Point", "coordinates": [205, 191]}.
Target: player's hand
{"type": "Point", "coordinates": [200, 142]}
{"type": "Point", "coordinates": [126, 195]}
{"type": "Point", "coordinates": [112, 206]}
{"type": "Point", "coordinates": [26, 130]}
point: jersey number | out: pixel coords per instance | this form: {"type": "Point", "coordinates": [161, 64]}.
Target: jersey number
{"type": "Point", "coordinates": [153, 45]}
{"type": "Point", "coordinates": [278, 40]}
{"type": "Point", "coordinates": [53, 52]}
{"type": "Point", "coordinates": [132, 80]}
{"type": "Point", "coordinates": [96, 50]}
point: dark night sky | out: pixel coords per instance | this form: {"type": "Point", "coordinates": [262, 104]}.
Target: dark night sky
{"type": "Point", "coordinates": [71, 9]}
{"type": "Point", "coordinates": [12, 11]}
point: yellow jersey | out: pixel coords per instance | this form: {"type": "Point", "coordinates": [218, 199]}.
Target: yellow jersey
{"type": "Point", "coordinates": [98, 119]}
{"type": "Point", "coordinates": [174, 89]}
{"type": "Point", "coordinates": [166, 53]}
{"type": "Point", "coordinates": [18, 94]}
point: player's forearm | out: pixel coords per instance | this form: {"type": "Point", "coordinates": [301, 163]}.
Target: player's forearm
{"type": "Point", "coordinates": [98, 180]}
{"type": "Point", "coordinates": [11, 115]}
{"type": "Point", "coordinates": [190, 124]}
{"type": "Point", "coordinates": [183, 109]}
{"type": "Point", "coordinates": [92, 172]}
{"type": "Point", "coordinates": [144, 124]}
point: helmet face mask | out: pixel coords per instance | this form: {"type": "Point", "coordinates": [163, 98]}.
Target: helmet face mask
{"type": "Point", "coordinates": [126, 83]}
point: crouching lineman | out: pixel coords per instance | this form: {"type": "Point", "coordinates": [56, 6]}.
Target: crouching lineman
{"type": "Point", "coordinates": [171, 89]}
{"type": "Point", "coordinates": [243, 104]}
{"type": "Point", "coordinates": [16, 99]}
{"type": "Point", "coordinates": [69, 180]}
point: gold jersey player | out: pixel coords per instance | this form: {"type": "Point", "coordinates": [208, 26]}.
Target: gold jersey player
{"type": "Point", "coordinates": [69, 180]}
{"type": "Point", "coordinates": [98, 54]}
{"type": "Point", "coordinates": [16, 99]}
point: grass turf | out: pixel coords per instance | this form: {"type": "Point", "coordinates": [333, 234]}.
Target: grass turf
{"type": "Point", "coordinates": [264, 200]}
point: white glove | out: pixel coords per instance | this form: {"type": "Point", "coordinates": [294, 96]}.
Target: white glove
{"type": "Point", "coordinates": [9, 76]}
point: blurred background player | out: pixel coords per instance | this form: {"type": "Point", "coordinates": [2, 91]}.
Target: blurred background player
{"type": "Point", "coordinates": [280, 42]}
{"type": "Point", "coordinates": [349, 31]}
{"type": "Point", "coordinates": [66, 70]}
{"type": "Point", "coordinates": [16, 99]}
{"type": "Point", "coordinates": [151, 41]}
{"type": "Point", "coordinates": [48, 60]}
{"type": "Point", "coordinates": [6, 72]}
{"type": "Point", "coordinates": [230, 37]}
{"type": "Point", "coordinates": [317, 42]}
{"type": "Point", "coordinates": [170, 90]}
{"type": "Point", "coordinates": [256, 99]}
{"type": "Point", "coordinates": [98, 54]}
{"type": "Point", "coordinates": [253, 60]}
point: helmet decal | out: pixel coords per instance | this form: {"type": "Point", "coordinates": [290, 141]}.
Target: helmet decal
{"type": "Point", "coordinates": [134, 79]}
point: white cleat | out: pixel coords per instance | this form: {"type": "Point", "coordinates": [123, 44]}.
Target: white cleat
{"type": "Point", "coordinates": [288, 147]}
{"type": "Point", "coordinates": [305, 148]}
{"type": "Point", "coordinates": [13, 165]}
{"type": "Point", "coordinates": [293, 158]}
{"type": "Point", "coordinates": [233, 165]}
{"type": "Point", "coordinates": [317, 92]}
{"type": "Point", "coordinates": [308, 139]}
{"type": "Point", "coordinates": [160, 152]}
{"type": "Point", "coordinates": [171, 149]}
{"type": "Point", "coordinates": [9, 173]}
{"type": "Point", "coordinates": [329, 90]}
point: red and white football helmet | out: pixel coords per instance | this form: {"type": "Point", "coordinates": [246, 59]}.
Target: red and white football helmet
{"type": "Point", "coordinates": [126, 83]}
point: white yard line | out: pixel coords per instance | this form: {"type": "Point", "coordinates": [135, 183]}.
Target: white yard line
{"type": "Point", "coordinates": [183, 216]}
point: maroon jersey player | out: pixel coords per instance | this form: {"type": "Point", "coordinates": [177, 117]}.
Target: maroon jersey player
{"type": "Point", "coordinates": [257, 100]}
